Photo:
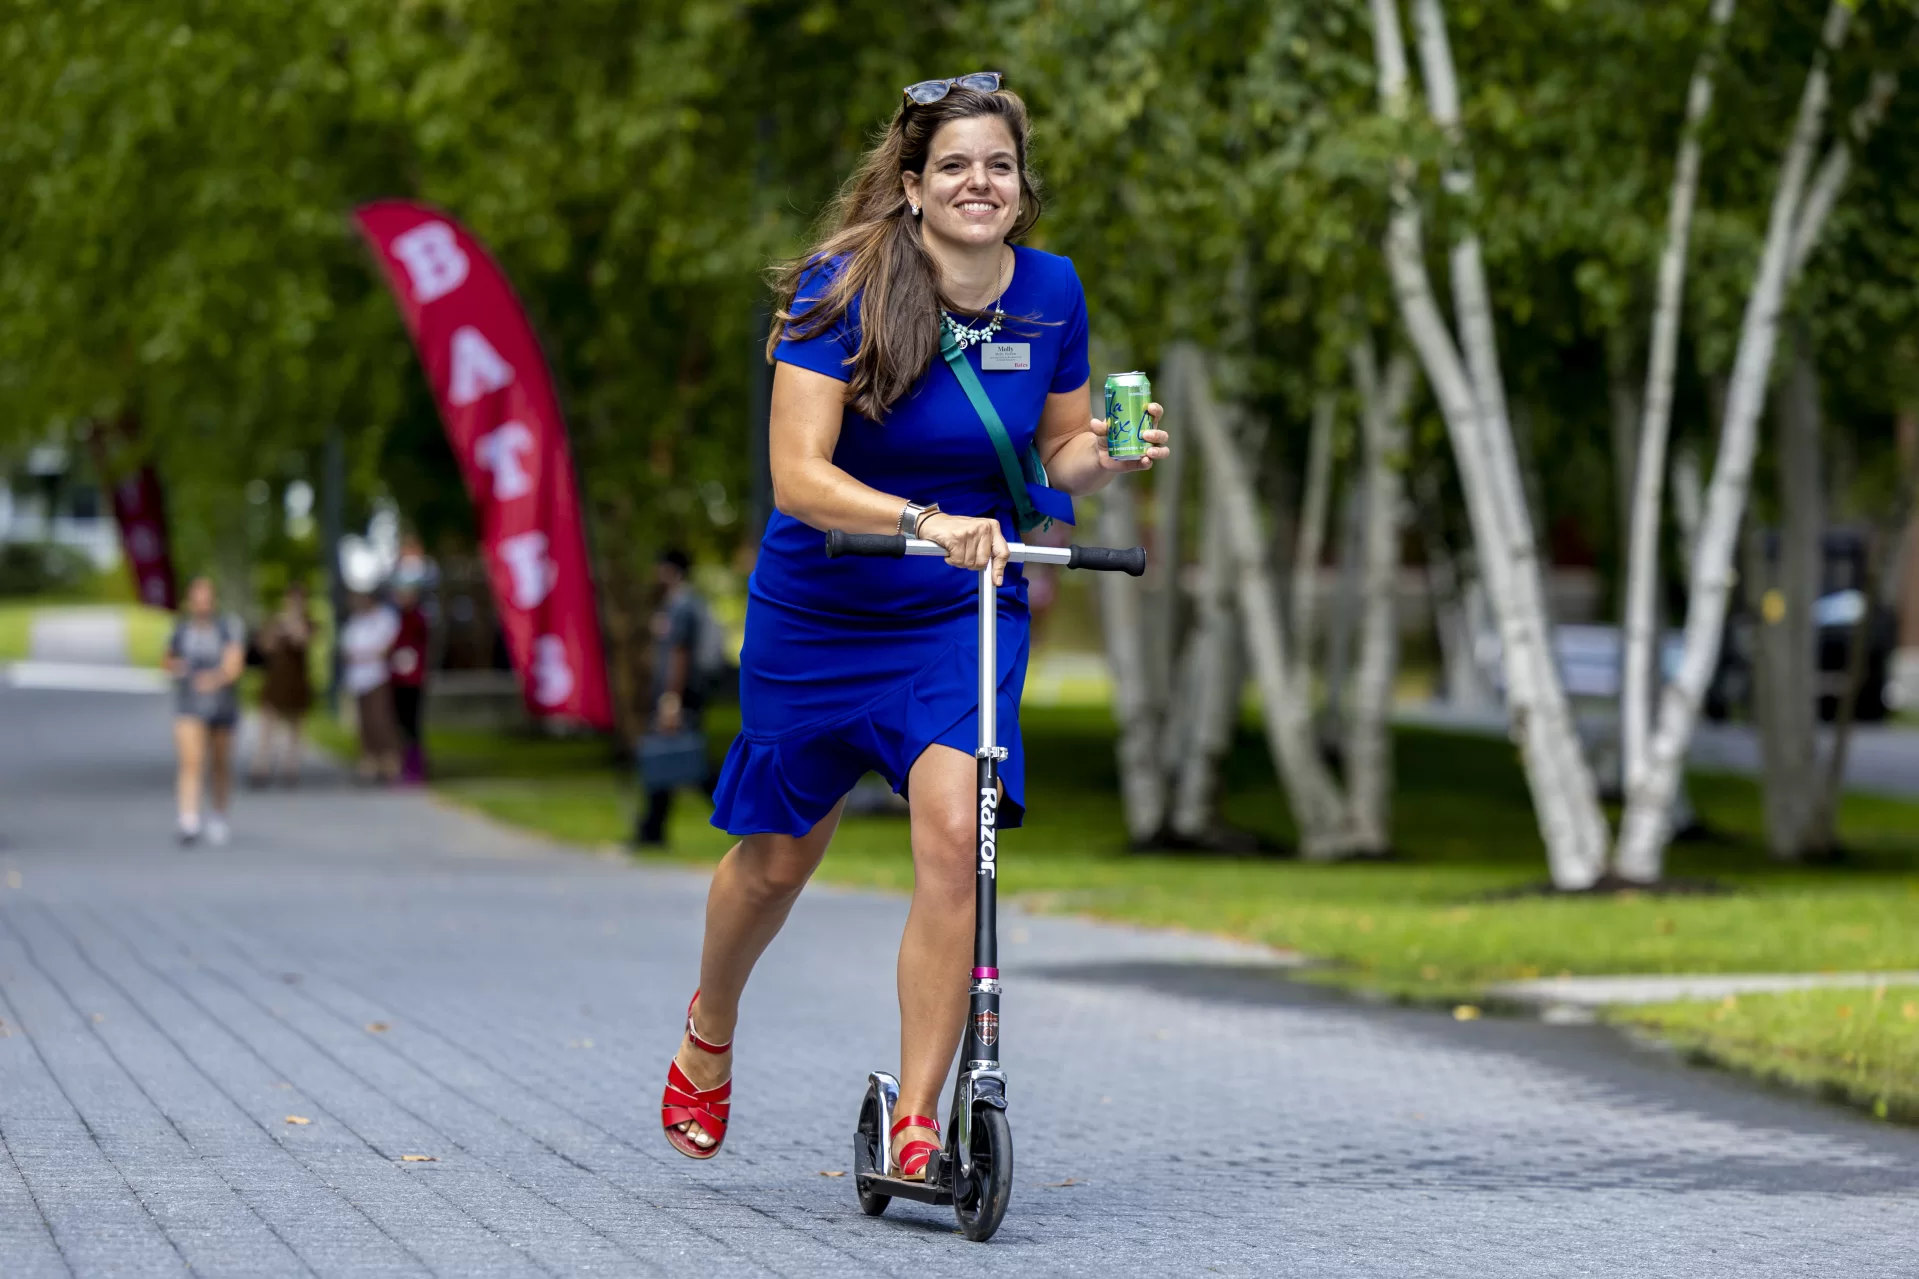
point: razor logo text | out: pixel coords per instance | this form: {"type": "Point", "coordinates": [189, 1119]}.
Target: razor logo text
{"type": "Point", "coordinates": [988, 830]}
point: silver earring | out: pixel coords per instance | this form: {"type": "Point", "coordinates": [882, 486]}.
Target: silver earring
{"type": "Point", "coordinates": [916, 209]}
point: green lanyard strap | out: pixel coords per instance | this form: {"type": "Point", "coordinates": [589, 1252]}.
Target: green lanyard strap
{"type": "Point", "coordinates": [1025, 516]}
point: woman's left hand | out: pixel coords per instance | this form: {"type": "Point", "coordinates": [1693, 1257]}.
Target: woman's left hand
{"type": "Point", "coordinates": [1156, 439]}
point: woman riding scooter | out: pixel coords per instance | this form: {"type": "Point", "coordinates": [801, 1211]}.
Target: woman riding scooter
{"type": "Point", "coordinates": [854, 665]}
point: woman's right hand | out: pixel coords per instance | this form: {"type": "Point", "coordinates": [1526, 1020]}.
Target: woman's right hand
{"type": "Point", "coordinates": [968, 542]}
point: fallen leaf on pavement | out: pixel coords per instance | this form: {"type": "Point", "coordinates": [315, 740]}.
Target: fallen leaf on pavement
{"type": "Point", "coordinates": [377, 1027]}
{"type": "Point", "coordinates": [419, 1159]}
{"type": "Point", "coordinates": [298, 1119]}
{"type": "Point", "coordinates": [1055, 1185]}
{"type": "Point", "coordinates": [832, 1172]}
{"type": "Point", "coordinates": [1465, 1012]}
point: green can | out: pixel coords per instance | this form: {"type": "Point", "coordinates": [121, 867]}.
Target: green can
{"type": "Point", "coordinates": [1127, 395]}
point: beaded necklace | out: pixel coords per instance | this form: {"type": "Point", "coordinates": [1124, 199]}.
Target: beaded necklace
{"type": "Point", "coordinates": [965, 335]}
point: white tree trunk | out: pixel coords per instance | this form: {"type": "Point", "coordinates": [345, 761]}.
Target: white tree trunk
{"type": "Point", "coordinates": [1636, 697]}
{"type": "Point", "coordinates": [1318, 809]}
{"type": "Point", "coordinates": [1348, 566]}
{"type": "Point", "coordinates": [1369, 755]}
{"type": "Point", "coordinates": [1565, 795]}
{"type": "Point", "coordinates": [1462, 684]}
{"type": "Point", "coordinates": [1645, 828]}
{"type": "Point", "coordinates": [1688, 502]}
{"type": "Point", "coordinates": [1165, 587]}
{"type": "Point", "coordinates": [1310, 546]}
{"type": "Point", "coordinates": [1836, 167]}
{"type": "Point", "coordinates": [1212, 682]}
{"type": "Point", "coordinates": [1142, 780]}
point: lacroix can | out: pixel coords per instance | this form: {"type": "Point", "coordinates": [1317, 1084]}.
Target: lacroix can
{"type": "Point", "coordinates": [1127, 395]}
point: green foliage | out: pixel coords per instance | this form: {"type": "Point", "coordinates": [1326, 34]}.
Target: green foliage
{"type": "Point", "coordinates": [32, 568]}
{"type": "Point", "coordinates": [175, 179]}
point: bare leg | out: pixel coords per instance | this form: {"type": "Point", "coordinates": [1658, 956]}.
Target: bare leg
{"type": "Point", "coordinates": [262, 766]}
{"type": "Point", "coordinates": [220, 752]}
{"type": "Point", "coordinates": [936, 951]}
{"type": "Point", "coordinates": [290, 765]}
{"type": "Point", "coordinates": [754, 887]}
{"type": "Point", "coordinates": [190, 743]}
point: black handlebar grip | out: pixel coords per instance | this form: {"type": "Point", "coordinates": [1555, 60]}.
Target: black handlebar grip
{"type": "Point", "coordinates": [1109, 559]}
{"type": "Point", "coordinates": [890, 546]}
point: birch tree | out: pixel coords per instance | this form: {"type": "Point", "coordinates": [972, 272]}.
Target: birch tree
{"type": "Point", "coordinates": [1319, 811]}
{"type": "Point", "coordinates": [1464, 373]}
{"type": "Point", "coordinates": [1794, 225]}
{"type": "Point", "coordinates": [1333, 820]}
{"type": "Point", "coordinates": [1384, 398]}
{"type": "Point", "coordinates": [1137, 702]}
{"type": "Point", "coordinates": [1649, 452]}
{"type": "Point", "coordinates": [1212, 675]}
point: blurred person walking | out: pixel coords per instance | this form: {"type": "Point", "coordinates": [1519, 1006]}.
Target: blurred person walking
{"type": "Point", "coordinates": [205, 656]}
{"type": "Point", "coordinates": [685, 654]}
{"type": "Point", "coordinates": [286, 695]}
{"type": "Point", "coordinates": [366, 650]}
{"type": "Point", "coordinates": [408, 665]}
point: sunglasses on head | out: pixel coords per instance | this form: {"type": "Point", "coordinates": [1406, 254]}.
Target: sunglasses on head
{"type": "Point", "coordinates": [930, 91]}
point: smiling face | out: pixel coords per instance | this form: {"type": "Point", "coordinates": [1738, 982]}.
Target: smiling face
{"type": "Point", "coordinates": [969, 192]}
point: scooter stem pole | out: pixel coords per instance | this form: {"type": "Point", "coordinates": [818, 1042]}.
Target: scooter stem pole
{"type": "Point", "coordinates": [988, 662]}
{"type": "Point", "coordinates": [982, 1029]}
{"type": "Point", "coordinates": [985, 942]}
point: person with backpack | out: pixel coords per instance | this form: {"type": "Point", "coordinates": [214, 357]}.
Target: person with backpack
{"type": "Point", "coordinates": [206, 654]}
{"type": "Point", "coordinates": [688, 656]}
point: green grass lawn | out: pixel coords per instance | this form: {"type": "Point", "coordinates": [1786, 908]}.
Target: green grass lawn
{"type": "Point", "coordinates": [147, 628]}
{"type": "Point", "coordinates": [1440, 922]}
{"type": "Point", "coordinates": [1857, 1046]}
{"type": "Point", "coordinates": [16, 627]}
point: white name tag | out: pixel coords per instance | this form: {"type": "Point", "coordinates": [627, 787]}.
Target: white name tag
{"type": "Point", "coordinates": [1011, 357]}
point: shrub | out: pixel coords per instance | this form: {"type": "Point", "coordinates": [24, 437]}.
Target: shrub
{"type": "Point", "coordinates": [37, 568]}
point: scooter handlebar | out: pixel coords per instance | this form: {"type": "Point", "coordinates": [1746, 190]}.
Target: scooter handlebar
{"type": "Point", "coordinates": [890, 546]}
{"type": "Point", "coordinates": [893, 546]}
{"type": "Point", "coordinates": [1110, 559]}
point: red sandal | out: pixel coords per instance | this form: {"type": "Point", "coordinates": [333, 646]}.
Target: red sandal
{"type": "Point", "coordinates": [684, 1103]}
{"type": "Point", "coordinates": [914, 1155]}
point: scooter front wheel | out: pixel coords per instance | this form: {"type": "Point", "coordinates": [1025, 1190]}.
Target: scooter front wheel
{"type": "Point", "coordinates": [979, 1201]}
{"type": "Point", "coordinates": [866, 1155]}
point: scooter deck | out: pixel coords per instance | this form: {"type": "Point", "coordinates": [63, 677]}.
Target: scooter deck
{"type": "Point", "coordinates": [919, 1191]}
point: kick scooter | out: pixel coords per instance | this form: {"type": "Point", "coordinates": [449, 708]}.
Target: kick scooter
{"type": "Point", "coordinates": [974, 1172]}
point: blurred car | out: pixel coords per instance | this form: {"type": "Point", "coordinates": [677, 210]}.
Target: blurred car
{"type": "Point", "coordinates": [1836, 615]}
{"type": "Point", "coordinates": [1589, 655]}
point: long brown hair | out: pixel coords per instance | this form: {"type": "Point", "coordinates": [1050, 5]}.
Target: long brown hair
{"type": "Point", "coordinates": [872, 227]}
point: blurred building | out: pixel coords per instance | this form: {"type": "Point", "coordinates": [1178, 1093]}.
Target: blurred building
{"type": "Point", "coordinates": [47, 499]}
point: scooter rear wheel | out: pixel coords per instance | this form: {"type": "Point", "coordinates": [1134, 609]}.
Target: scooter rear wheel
{"type": "Point", "coordinates": [866, 1154]}
{"type": "Point", "coordinates": [979, 1201]}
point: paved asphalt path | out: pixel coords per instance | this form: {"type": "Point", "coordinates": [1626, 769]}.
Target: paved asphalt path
{"type": "Point", "coordinates": [1178, 1108]}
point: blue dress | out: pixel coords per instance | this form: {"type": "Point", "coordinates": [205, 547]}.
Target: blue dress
{"type": "Point", "coordinates": [855, 665]}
